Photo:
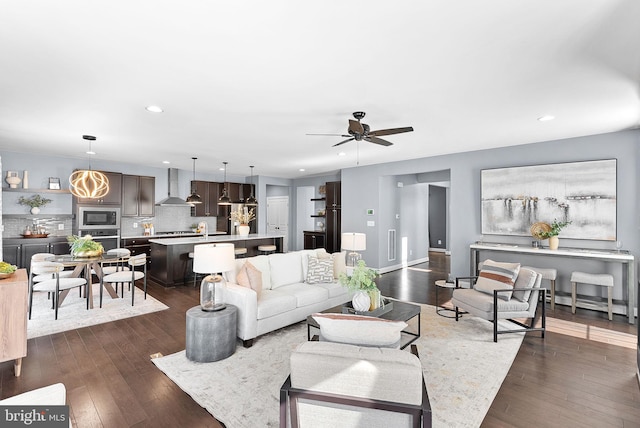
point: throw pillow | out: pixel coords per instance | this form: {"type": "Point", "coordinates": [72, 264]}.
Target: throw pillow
{"type": "Point", "coordinates": [249, 276]}
{"type": "Point", "coordinates": [526, 279]}
{"type": "Point", "coordinates": [497, 276]}
{"type": "Point", "coordinates": [320, 270]}
{"type": "Point", "coordinates": [359, 329]}
{"type": "Point", "coordinates": [339, 264]}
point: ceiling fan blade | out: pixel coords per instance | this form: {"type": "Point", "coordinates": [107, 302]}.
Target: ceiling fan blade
{"type": "Point", "coordinates": [377, 140]}
{"type": "Point", "coordinates": [332, 135]}
{"type": "Point", "coordinates": [355, 127]}
{"type": "Point", "coordinates": [345, 141]}
{"type": "Point", "coordinates": [391, 131]}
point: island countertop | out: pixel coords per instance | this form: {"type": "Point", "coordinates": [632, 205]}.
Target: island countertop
{"type": "Point", "coordinates": [215, 238]}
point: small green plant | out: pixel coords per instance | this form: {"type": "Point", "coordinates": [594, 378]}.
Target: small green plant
{"type": "Point", "coordinates": [35, 201]}
{"type": "Point", "coordinates": [556, 227]}
{"type": "Point", "coordinates": [81, 244]}
{"type": "Point", "coordinates": [362, 278]}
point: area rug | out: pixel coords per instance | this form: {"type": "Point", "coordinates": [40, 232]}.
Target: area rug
{"type": "Point", "coordinates": [462, 365]}
{"type": "Point", "coordinates": [73, 312]}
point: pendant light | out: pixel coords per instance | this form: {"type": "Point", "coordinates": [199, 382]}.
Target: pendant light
{"type": "Point", "coordinates": [251, 200]}
{"type": "Point", "coordinates": [86, 183]}
{"type": "Point", "coordinates": [224, 199]}
{"type": "Point", "coordinates": [194, 198]}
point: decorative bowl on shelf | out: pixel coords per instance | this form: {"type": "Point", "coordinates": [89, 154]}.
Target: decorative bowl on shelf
{"type": "Point", "coordinates": [87, 254]}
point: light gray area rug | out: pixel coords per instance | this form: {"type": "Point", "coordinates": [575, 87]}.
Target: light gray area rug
{"type": "Point", "coordinates": [73, 312]}
{"type": "Point", "coordinates": [463, 369]}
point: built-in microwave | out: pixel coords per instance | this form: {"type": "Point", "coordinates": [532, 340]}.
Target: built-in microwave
{"type": "Point", "coordinates": [92, 217]}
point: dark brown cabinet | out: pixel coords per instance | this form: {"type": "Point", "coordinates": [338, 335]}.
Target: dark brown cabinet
{"type": "Point", "coordinates": [313, 240]}
{"type": "Point", "coordinates": [138, 196]}
{"type": "Point", "coordinates": [333, 217]}
{"type": "Point", "coordinates": [210, 192]}
{"type": "Point", "coordinates": [138, 246]}
{"type": "Point", "coordinates": [334, 194]}
{"type": "Point", "coordinates": [18, 251]}
{"type": "Point", "coordinates": [114, 197]}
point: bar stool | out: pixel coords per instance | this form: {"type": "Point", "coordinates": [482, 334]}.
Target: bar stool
{"type": "Point", "coordinates": [240, 252]}
{"type": "Point", "coordinates": [551, 275]}
{"type": "Point", "coordinates": [266, 249]}
{"type": "Point", "coordinates": [601, 279]}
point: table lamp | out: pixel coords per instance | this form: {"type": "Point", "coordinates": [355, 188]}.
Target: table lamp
{"type": "Point", "coordinates": [354, 242]}
{"type": "Point", "coordinates": [213, 259]}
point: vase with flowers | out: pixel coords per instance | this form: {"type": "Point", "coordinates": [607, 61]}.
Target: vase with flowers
{"type": "Point", "coordinates": [242, 216]}
{"type": "Point", "coordinates": [362, 280]}
{"type": "Point", "coordinates": [553, 232]}
{"type": "Point", "coordinates": [35, 202]}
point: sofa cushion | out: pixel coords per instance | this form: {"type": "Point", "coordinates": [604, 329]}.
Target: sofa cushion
{"type": "Point", "coordinates": [526, 279]}
{"type": "Point", "coordinates": [359, 329]}
{"type": "Point", "coordinates": [320, 270]}
{"type": "Point", "coordinates": [305, 294]}
{"type": "Point", "coordinates": [339, 264]}
{"type": "Point", "coordinates": [497, 276]}
{"type": "Point", "coordinates": [484, 302]}
{"type": "Point", "coordinates": [286, 268]}
{"type": "Point", "coordinates": [275, 302]}
{"type": "Point", "coordinates": [249, 276]}
{"type": "Point", "coordinates": [262, 264]}
{"type": "Point", "coordinates": [334, 288]}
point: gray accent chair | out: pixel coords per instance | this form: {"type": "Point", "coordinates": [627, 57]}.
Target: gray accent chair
{"type": "Point", "coordinates": [492, 308]}
{"type": "Point", "coordinates": [336, 384]}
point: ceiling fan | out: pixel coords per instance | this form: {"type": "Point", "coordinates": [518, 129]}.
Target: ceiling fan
{"type": "Point", "coordinates": [360, 131]}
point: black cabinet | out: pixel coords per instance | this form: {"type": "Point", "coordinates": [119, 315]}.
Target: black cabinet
{"type": "Point", "coordinates": [334, 194]}
{"type": "Point", "coordinates": [210, 192]}
{"type": "Point", "coordinates": [313, 240]}
{"type": "Point", "coordinates": [11, 253]}
{"type": "Point", "coordinates": [19, 251]}
{"type": "Point", "coordinates": [138, 246]}
{"type": "Point", "coordinates": [333, 216]}
{"type": "Point", "coordinates": [138, 196]}
{"type": "Point", "coordinates": [114, 197]}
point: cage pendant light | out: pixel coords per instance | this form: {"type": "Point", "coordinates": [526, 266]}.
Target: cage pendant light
{"type": "Point", "coordinates": [194, 198]}
{"type": "Point", "coordinates": [224, 199]}
{"type": "Point", "coordinates": [251, 200]}
{"type": "Point", "coordinates": [86, 183]}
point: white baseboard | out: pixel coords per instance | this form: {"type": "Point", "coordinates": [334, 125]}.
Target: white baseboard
{"type": "Point", "coordinates": [400, 265]}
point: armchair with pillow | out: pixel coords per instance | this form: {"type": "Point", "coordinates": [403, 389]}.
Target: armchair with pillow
{"type": "Point", "coordinates": [502, 291]}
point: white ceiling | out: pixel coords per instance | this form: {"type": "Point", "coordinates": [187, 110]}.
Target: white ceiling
{"type": "Point", "coordinates": [244, 82]}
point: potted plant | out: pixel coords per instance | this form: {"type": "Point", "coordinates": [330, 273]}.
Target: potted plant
{"type": "Point", "coordinates": [362, 280]}
{"type": "Point", "coordinates": [84, 246]}
{"type": "Point", "coordinates": [35, 202]}
{"type": "Point", "coordinates": [553, 232]}
{"type": "Point", "coordinates": [243, 217]}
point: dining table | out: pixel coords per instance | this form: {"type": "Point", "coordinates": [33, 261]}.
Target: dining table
{"type": "Point", "coordinates": [88, 266]}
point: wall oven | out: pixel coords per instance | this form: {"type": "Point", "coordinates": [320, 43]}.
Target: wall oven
{"type": "Point", "coordinates": [109, 238]}
{"type": "Point", "coordinates": [91, 218]}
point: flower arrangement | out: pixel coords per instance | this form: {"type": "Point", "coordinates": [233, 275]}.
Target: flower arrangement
{"type": "Point", "coordinates": [35, 201]}
{"type": "Point", "coordinates": [243, 217]}
{"type": "Point", "coordinates": [362, 278]}
{"type": "Point", "coordinates": [84, 246]}
{"type": "Point", "coordinates": [556, 227]}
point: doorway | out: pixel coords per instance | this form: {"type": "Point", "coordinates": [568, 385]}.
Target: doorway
{"type": "Point", "coordinates": [278, 218]}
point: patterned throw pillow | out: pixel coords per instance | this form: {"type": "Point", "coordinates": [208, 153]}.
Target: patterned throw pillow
{"type": "Point", "coordinates": [497, 276]}
{"type": "Point", "coordinates": [249, 276]}
{"type": "Point", "coordinates": [320, 270]}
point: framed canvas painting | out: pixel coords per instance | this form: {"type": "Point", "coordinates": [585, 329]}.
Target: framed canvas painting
{"type": "Point", "coordinates": [583, 193]}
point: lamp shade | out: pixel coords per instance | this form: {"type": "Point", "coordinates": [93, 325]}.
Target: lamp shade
{"type": "Point", "coordinates": [354, 241]}
{"type": "Point", "coordinates": [213, 258]}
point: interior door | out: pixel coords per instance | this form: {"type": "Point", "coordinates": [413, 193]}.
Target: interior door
{"type": "Point", "coordinates": [278, 218]}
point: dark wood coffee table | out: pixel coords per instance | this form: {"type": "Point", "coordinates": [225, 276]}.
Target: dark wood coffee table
{"type": "Point", "coordinates": [401, 311]}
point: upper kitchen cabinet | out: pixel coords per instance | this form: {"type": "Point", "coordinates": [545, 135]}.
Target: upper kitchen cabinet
{"type": "Point", "coordinates": [138, 196]}
{"type": "Point", "coordinates": [114, 197]}
{"type": "Point", "coordinates": [246, 190]}
{"type": "Point", "coordinates": [209, 192]}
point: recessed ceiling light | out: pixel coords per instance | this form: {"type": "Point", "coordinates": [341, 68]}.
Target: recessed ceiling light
{"type": "Point", "coordinates": [546, 118]}
{"type": "Point", "coordinates": [342, 154]}
{"type": "Point", "coordinates": [301, 170]}
{"type": "Point", "coordinates": [90, 152]}
{"type": "Point", "coordinates": [153, 109]}
{"type": "Point", "coordinates": [166, 162]}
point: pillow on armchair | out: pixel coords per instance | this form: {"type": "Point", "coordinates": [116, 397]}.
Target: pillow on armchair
{"type": "Point", "coordinates": [497, 276]}
{"type": "Point", "coordinates": [359, 330]}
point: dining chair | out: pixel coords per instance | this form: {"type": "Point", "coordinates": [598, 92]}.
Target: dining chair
{"type": "Point", "coordinates": [43, 257]}
{"type": "Point", "coordinates": [55, 285]}
{"type": "Point", "coordinates": [129, 276]}
{"type": "Point", "coordinates": [117, 265]}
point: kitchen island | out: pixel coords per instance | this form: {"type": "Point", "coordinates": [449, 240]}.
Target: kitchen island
{"type": "Point", "coordinates": [170, 262]}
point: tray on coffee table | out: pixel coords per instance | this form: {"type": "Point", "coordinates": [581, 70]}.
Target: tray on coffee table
{"type": "Point", "coordinates": [402, 311]}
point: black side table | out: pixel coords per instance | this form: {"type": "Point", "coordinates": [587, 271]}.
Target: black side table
{"type": "Point", "coordinates": [444, 311]}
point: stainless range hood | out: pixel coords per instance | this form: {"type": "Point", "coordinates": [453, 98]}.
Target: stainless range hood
{"type": "Point", "coordinates": [173, 201]}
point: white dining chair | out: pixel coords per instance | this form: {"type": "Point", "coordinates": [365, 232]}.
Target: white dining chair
{"type": "Point", "coordinates": [109, 267]}
{"type": "Point", "coordinates": [130, 276]}
{"type": "Point", "coordinates": [55, 285]}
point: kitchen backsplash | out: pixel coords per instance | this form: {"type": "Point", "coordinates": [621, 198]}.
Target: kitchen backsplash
{"type": "Point", "coordinates": [15, 226]}
{"type": "Point", "coordinates": [167, 219]}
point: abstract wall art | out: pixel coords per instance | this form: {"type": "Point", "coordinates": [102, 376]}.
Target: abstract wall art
{"type": "Point", "coordinates": [581, 192]}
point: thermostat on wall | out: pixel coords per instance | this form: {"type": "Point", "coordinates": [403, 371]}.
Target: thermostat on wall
{"type": "Point", "coordinates": [370, 211]}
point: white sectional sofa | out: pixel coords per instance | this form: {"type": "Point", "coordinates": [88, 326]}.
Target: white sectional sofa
{"type": "Point", "coordinates": [286, 297]}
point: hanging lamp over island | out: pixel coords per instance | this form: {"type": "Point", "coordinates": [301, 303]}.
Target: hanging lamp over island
{"type": "Point", "coordinates": [224, 199]}
{"type": "Point", "coordinates": [194, 198]}
{"type": "Point", "coordinates": [251, 200]}
{"type": "Point", "coordinates": [86, 183]}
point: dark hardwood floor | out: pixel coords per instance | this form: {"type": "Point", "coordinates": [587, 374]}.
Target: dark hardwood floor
{"type": "Point", "coordinates": [566, 380]}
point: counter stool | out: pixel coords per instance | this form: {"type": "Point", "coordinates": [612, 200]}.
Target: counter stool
{"type": "Point", "coordinates": [551, 275]}
{"type": "Point", "coordinates": [601, 279]}
{"type": "Point", "coordinates": [266, 249]}
{"type": "Point", "coordinates": [240, 252]}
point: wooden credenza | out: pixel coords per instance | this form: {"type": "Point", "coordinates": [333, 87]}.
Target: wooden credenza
{"type": "Point", "coordinates": [13, 313]}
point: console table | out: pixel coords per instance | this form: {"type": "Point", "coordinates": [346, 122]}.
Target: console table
{"type": "Point", "coordinates": [624, 258]}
